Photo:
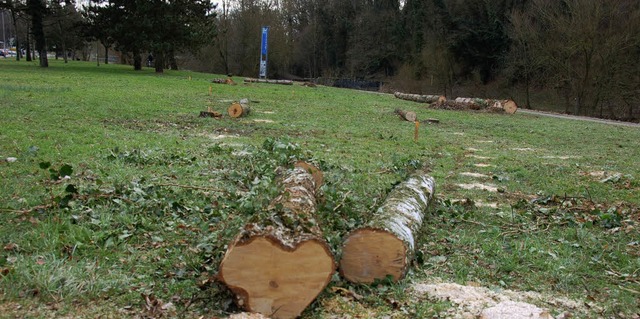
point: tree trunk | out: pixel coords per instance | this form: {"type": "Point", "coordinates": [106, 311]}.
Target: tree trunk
{"type": "Point", "coordinates": [137, 61]}
{"type": "Point", "coordinates": [37, 9]}
{"type": "Point", "coordinates": [420, 98]}
{"type": "Point", "coordinates": [106, 52]}
{"type": "Point", "coordinates": [386, 246]}
{"type": "Point", "coordinates": [28, 44]}
{"type": "Point", "coordinates": [237, 110]}
{"type": "Point", "coordinates": [506, 106]}
{"type": "Point", "coordinates": [159, 61]}
{"type": "Point", "coordinates": [17, 37]}
{"type": "Point", "coordinates": [283, 82]}
{"type": "Point", "coordinates": [277, 268]}
{"type": "Point", "coordinates": [407, 115]}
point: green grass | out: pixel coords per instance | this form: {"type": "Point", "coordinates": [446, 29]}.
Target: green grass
{"type": "Point", "coordinates": [157, 194]}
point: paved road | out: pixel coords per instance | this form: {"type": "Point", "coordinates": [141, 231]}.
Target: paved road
{"type": "Point", "coordinates": [578, 118]}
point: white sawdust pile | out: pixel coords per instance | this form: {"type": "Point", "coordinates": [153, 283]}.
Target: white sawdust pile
{"type": "Point", "coordinates": [484, 303]}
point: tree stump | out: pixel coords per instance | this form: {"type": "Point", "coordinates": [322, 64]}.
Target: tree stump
{"type": "Point", "coordinates": [386, 246]}
{"type": "Point", "coordinates": [278, 267]}
{"type": "Point", "coordinates": [237, 110]}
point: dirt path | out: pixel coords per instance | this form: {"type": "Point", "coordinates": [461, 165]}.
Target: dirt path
{"type": "Point", "coordinates": [578, 118]}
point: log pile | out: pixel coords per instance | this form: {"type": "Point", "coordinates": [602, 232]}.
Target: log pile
{"type": "Point", "coordinates": [268, 81]}
{"type": "Point", "coordinates": [387, 245]}
{"type": "Point", "coordinates": [279, 266]}
{"type": "Point", "coordinates": [487, 105]}
{"type": "Point", "coordinates": [420, 98]}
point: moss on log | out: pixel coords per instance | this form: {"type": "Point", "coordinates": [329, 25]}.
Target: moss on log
{"type": "Point", "coordinates": [386, 246]}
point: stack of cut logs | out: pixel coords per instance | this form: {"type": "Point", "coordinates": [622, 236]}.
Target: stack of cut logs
{"type": "Point", "coordinates": [461, 103]}
{"type": "Point", "coordinates": [279, 266]}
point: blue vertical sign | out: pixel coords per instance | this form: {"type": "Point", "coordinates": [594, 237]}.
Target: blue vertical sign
{"type": "Point", "coordinates": [264, 52]}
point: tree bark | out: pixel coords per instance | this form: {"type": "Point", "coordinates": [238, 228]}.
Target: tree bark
{"type": "Point", "coordinates": [278, 267]}
{"type": "Point", "coordinates": [420, 98]}
{"type": "Point", "coordinates": [387, 245]}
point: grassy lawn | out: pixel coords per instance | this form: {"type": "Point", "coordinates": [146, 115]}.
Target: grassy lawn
{"type": "Point", "coordinates": [116, 193]}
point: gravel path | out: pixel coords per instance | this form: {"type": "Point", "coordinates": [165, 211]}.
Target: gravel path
{"type": "Point", "coordinates": [578, 118]}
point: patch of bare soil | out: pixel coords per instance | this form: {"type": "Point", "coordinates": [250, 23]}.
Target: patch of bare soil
{"type": "Point", "coordinates": [480, 302]}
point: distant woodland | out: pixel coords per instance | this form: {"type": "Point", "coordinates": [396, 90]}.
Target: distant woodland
{"type": "Point", "coordinates": [581, 56]}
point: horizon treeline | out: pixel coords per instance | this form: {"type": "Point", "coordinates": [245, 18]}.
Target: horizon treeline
{"type": "Point", "coordinates": [581, 55]}
{"type": "Point", "coordinates": [587, 53]}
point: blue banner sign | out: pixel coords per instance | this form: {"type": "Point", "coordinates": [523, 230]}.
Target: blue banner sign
{"type": "Point", "coordinates": [265, 39]}
{"type": "Point", "coordinates": [264, 52]}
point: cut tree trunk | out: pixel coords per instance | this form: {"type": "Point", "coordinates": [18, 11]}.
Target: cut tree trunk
{"type": "Point", "coordinates": [210, 113]}
{"type": "Point", "coordinates": [407, 115]}
{"type": "Point", "coordinates": [420, 98]}
{"type": "Point", "coordinates": [283, 82]}
{"type": "Point", "coordinates": [237, 110]}
{"type": "Point", "coordinates": [224, 81]}
{"type": "Point", "coordinates": [498, 106]}
{"type": "Point", "coordinates": [278, 267]}
{"type": "Point", "coordinates": [386, 246]}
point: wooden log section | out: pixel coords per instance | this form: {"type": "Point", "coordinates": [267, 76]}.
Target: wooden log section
{"type": "Point", "coordinates": [386, 246]}
{"type": "Point", "coordinates": [407, 115]}
{"type": "Point", "coordinates": [420, 98]}
{"type": "Point", "coordinates": [237, 110]}
{"type": "Point", "coordinates": [268, 81]}
{"type": "Point", "coordinates": [498, 106]}
{"type": "Point", "coordinates": [278, 267]}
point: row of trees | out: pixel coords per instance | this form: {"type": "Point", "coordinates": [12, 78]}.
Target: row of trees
{"type": "Point", "coordinates": [584, 53]}
{"type": "Point", "coordinates": [133, 27]}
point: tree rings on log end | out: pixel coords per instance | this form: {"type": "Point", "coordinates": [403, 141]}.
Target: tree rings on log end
{"type": "Point", "coordinates": [237, 110]}
{"type": "Point", "coordinates": [316, 173]}
{"type": "Point", "coordinates": [510, 106]}
{"type": "Point", "coordinates": [272, 280]}
{"type": "Point", "coordinates": [369, 254]}
{"type": "Point", "coordinates": [410, 116]}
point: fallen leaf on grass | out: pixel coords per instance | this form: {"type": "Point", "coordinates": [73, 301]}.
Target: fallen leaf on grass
{"type": "Point", "coordinates": [11, 247]}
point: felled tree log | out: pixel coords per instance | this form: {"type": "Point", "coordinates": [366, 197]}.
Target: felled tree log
{"type": "Point", "coordinates": [283, 82]}
{"type": "Point", "coordinates": [224, 81]}
{"type": "Point", "coordinates": [210, 113]}
{"type": "Point", "coordinates": [420, 98]}
{"type": "Point", "coordinates": [498, 106]}
{"type": "Point", "coordinates": [386, 246]}
{"type": "Point", "coordinates": [238, 110]}
{"type": "Point", "coordinates": [278, 267]}
{"type": "Point", "coordinates": [407, 115]}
